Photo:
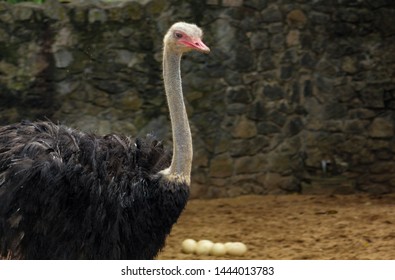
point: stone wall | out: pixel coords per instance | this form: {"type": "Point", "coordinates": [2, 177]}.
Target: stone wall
{"type": "Point", "coordinates": [296, 95]}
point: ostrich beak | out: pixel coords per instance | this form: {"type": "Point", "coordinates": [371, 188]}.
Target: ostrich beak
{"type": "Point", "coordinates": [196, 44]}
{"type": "Point", "coordinates": [200, 46]}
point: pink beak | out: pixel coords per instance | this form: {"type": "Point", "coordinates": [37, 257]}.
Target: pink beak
{"type": "Point", "coordinates": [196, 44]}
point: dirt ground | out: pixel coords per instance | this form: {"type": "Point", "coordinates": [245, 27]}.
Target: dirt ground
{"type": "Point", "coordinates": [291, 227]}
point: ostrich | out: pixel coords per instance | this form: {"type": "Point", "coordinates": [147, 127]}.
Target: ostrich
{"type": "Point", "coordinates": [66, 194]}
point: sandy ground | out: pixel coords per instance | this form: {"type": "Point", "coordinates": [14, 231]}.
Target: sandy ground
{"type": "Point", "coordinates": [291, 227]}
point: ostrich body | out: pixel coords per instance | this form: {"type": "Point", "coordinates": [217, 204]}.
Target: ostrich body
{"type": "Point", "coordinates": [66, 194]}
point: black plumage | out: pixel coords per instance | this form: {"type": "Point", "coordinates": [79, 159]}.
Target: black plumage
{"type": "Point", "coordinates": [65, 194]}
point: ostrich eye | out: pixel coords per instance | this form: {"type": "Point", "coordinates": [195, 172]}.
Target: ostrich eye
{"type": "Point", "coordinates": [178, 35]}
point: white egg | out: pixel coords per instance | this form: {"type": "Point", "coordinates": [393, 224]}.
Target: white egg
{"type": "Point", "coordinates": [203, 247]}
{"type": "Point", "coordinates": [218, 250]}
{"type": "Point", "coordinates": [188, 246]}
{"type": "Point", "coordinates": [236, 248]}
{"type": "Point", "coordinates": [228, 245]}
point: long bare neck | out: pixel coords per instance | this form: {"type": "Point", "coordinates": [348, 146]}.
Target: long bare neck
{"type": "Point", "coordinates": [180, 168]}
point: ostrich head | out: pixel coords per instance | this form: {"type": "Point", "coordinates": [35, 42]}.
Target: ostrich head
{"type": "Point", "coordinates": [184, 37]}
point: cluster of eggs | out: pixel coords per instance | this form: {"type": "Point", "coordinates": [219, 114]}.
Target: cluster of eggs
{"type": "Point", "coordinates": [207, 247]}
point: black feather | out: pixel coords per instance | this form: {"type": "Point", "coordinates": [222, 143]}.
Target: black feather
{"type": "Point", "coordinates": [66, 194]}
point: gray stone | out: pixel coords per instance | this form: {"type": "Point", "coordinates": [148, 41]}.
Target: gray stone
{"type": "Point", "coordinates": [217, 192]}
{"type": "Point", "coordinates": [329, 186]}
{"type": "Point", "coordinates": [324, 84]}
{"type": "Point", "coordinates": [257, 111]}
{"type": "Point", "coordinates": [256, 4]}
{"type": "Point", "coordinates": [252, 146]}
{"type": "Point", "coordinates": [198, 191]}
{"type": "Point", "coordinates": [222, 143]}
{"type": "Point", "coordinates": [248, 24]}
{"type": "Point", "coordinates": [236, 109]}
{"type": "Point", "coordinates": [277, 117]}
{"type": "Point", "coordinates": [243, 59]}
{"type": "Point", "coordinates": [126, 11]}
{"type": "Point", "coordinates": [333, 126]}
{"type": "Point", "coordinates": [295, 96]}
{"type": "Point", "coordinates": [385, 22]}
{"type": "Point", "coordinates": [275, 181]}
{"type": "Point", "coordinates": [361, 113]}
{"type": "Point", "coordinates": [6, 17]}
{"type": "Point", "coordinates": [55, 10]}
{"type": "Point", "coordinates": [354, 144]}
{"type": "Point", "coordinates": [272, 14]}
{"type": "Point", "coordinates": [294, 126]}
{"type": "Point", "coordinates": [308, 88]}
{"type": "Point", "coordinates": [364, 157]}
{"type": "Point", "coordinates": [280, 162]}
{"type": "Point", "coordinates": [327, 68]}
{"type": "Point", "coordinates": [319, 18]}
{"type": "Point", "coordinates": [378, 144]}
{"type": "Point", "coordinates": [250, 164]}
{"type": "Point", "coordinates": [290, 56]}
{"type": "Point", "coordinates": [383, 168]}
{"type": "Point", "coordinates": [125, 57]}
{"type": "Point", "coordinates": [259, 40]}
{"type": "Point", "coordinates": [296, 18]}
{"type": "Point", "coordinates": [355, 127]}
{"type": "Point", "coordinates": [97, 15]}
{"type": "Point", "coordinates": [372, 98]}
{"type": "Point", "coordinates": [349, 65]}
{"type": "Point", "coordinates": [267, 128]}
{"type": "Point", "coordinates": [277, 42]}
{"type": "Point", "coordinates": [111, 87]}
{"type": "Point", "coordinates": [63, 58]}
{"type": "Point", "coordinates": [219, 182]}
{"type": "Point", "coordinates": [324, 5]}
{"type": "Point", "coordinates": [252, 77]}
{"type": "Point", "coordinates": [22, 13]}
{"type": "Point", "coordinates": [66, 86]}
{"type": "Point", "coordinates": [238, 94]}
{"type": "Point", "coordinates": [335, 111]}
{"type": "Point", "coordinates": [376, 189]}
{"type": "Point", "coordinates": [343, 29]}
{"type": "Point", "coordinates": [347, 15]}
{"type": "Point", "coordinates": [221, 166]}
{"type": "Point", "coordinates": [378, 3]}
{"type": "Point", "coordinates": [384, 154]}
{"type": "Point", "coordinates": [308, 60]}
{"type": "Point", "coordinates": [266, 61]}
{"type": "Point", "coordinates": [291, 146]}
{"type": "Point", "coordinates": [244, 128]}
{"type": "Point", "coordinates": [293, 38]}
{"type": "Point", "coordinates": [273, 92]}
{"type": "Point", "coordinates": [235, 191]}
{"type": "Point", "coordinates": [275, 28]}
{"type": "Point", "coordinates": [128, 101]}
{"type": "Point", "coordinates": [4, 37]}
{"type": "Point", "coordinates": [286, 72]}
{"type": "Point", "coordinates": [134, 10]}
{"type": "Point", "coordinates": [126, 31]}
{"type": "Point", "coordinates": [381, 128]}
{"type": "Point", "coordinates": [346, 93]}
{"type": "Point", "coordinates": [233, 78]}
